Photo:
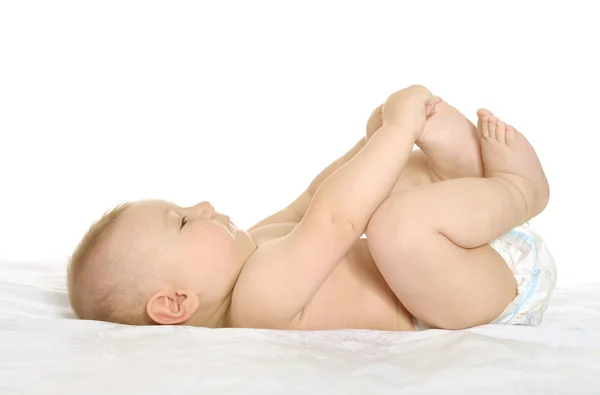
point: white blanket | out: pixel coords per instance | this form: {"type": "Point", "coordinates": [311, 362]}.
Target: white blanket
{"type": "Point", "coordinates": [44, 351]}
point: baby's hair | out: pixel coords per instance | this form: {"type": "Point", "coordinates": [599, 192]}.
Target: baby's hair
{"type": "Point", "coordinates": [97, 298]}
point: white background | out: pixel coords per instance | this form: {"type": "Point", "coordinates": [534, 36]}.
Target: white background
{"type": "Point", "coordinates": [243, 103]}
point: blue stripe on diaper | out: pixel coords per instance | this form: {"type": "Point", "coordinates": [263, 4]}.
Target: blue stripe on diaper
{"type": "Point", "coordinates": [536, 271]}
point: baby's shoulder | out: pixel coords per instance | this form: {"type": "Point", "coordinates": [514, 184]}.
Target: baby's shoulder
{"type": "Point", "coordinates": [259, 276]}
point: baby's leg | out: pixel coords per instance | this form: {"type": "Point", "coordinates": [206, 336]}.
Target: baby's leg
{"type": "Point", "coordinates": [431, 243]}
{"type": "Point", "coordinates": [452, 144]}
{"type": "Point", "coordinates": [450, 141]}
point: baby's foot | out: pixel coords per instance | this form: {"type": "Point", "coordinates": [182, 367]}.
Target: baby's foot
{"type": "Point", "coordinates": [508, 156]}
{"type": "Point", "coordinates": [452, 144]}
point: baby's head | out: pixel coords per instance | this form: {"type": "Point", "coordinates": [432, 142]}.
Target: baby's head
{"type": "Point", "coordinates": [152, 262]}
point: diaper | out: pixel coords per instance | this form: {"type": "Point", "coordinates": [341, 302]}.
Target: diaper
{"type": "Point", "coordinates": [534, 268]}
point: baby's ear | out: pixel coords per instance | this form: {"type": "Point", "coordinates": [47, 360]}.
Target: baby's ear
{"type": "Point", "coordinates": [168, 307]}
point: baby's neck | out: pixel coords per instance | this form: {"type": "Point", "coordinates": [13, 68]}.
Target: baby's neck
{"type": "Point", "coordinates": [220, 319]}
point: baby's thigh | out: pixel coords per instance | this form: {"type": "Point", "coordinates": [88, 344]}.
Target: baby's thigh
{"type": "Point", "coordinates": [440, 283]}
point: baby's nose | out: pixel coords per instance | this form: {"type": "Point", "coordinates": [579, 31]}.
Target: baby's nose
{"type": "Point", "coordinates": [204, 209]}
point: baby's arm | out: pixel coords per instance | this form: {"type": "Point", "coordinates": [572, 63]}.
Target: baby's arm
{"type": "Point", "coordinates": [296, 210]}
{"type": "Point", "coordinates": [295, 266]}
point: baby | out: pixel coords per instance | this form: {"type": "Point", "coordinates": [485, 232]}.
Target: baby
{"type": "Point", "coordinates": [447, 245]}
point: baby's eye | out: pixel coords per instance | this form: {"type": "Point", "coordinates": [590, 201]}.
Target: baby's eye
{"type": "Point", "coordinates": [183, 222]}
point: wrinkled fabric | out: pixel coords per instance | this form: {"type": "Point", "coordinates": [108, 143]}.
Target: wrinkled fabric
{"type": "Point", "coordinates": [43, 350]}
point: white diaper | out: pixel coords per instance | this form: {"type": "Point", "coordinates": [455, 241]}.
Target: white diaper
{"type": "Point", "coordinates": [535, 271]}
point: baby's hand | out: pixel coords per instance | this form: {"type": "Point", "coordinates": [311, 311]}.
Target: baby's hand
{"type": "Point", "coordinates": [410, 106]}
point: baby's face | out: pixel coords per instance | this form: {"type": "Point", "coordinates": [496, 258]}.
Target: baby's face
{"type": "Point", "coordinates": [193, 250]}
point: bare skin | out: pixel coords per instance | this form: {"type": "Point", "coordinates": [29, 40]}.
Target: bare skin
{"type": "Point", "coordinates": [450, 147]}
{"type": "Point", "coordinates": [321, 275]}
{"type": "Point", "coordinates": [437, 234]}
{"type": "Point", "coordinates": [431, 275]}
{"type": "Point", "coordinates": [306, 267]}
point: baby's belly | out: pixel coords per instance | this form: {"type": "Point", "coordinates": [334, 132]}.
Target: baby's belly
{"type": "Point", "coordinates": [356, 297]}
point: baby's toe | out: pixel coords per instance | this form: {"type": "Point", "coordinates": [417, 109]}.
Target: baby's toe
{"type": "Point", "coordinates": [492, 124]}
{"type": "Point", "coordinates": [501, 132]}
{"type": "Point", "coordinates": [484, 127]}
{"type": "Point", "coordinates": [511, 133]}
{"type": "Point", "coordinates": [483, 112]}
